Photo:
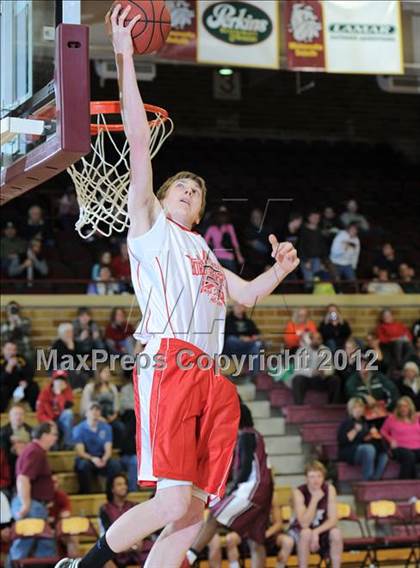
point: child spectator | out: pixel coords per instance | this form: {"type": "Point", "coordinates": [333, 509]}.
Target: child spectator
{"type": "Point", "coordinates": [119, 333]}
{"type": "Point", "coordinates": [221, 238]}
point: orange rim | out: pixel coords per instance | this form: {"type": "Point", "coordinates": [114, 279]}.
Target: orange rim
{"type": "Point", "coordinates": [114, 107]}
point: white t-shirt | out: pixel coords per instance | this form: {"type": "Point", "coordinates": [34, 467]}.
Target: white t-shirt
{"type": "Point", "coordinates": [180, 286]}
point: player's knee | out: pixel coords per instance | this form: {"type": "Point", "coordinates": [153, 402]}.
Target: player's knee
{"type": "Point", "coordinates": [173, 505]}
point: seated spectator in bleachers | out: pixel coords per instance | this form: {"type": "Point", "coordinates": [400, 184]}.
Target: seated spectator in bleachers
{"type": "Point", "coordinates": [221, 238]}
{"type": "Point", "coordinates": [105, 393]}
{"type": "Point", "coordinates": [311, 248]}
{"type": "Point", "coordinates": [30, 265]}
{"type": "Point", "coordinates": [311, 377]}
{"type": "Point", "coordinates": [414, 355]}
{"type": "Point", "coordinates": [242, 336]}
{"type": "Point", "coordinates": [298, 326]}
{"type": "Point", "coordinates": [119, 333]}
{"type": "Point", "coordinates": [382, 284]}
{"type": "Point", "coordinates": [409, 384]}
{"type": "Point", "coordinates": [67, 349]}
{"type": "Point", "coordinates": [17, 328]}
{"type": "Point", "coordinates": [117, 504]}
{"type": "Point", "coordinates": [407, 276]}
{"type": "Point", "coordinates": [35, 488]}
{"type": "Point", "coordinates": [16, 378]}
{"type": "Point", "coordinates": [351, 215]}
{"type": "Point", "coordinates": [416, 329]}
{"type": "Point", "coordinates": [60, 508]}
{"type": "Point", "coordinates": [344, 253]}
{"type": "Point", "coordinates": [383, 356]}
{"type": "Point", "coordinates": [15, 436]}
{"type": "Point", "coordinates": [335, 330]}
{"type": "Point", "coordinates": [313, 528]}
{"type": "Point", "coordinates": [11, 245]}
{"type": "Point", "coordinates": [128, 446]}
{"type": "Point", "coordinates": [36, 226]}
{"type": "Point", "coordinates": [395, 336]}
{"type": "Point", "coordinates": [256, 235]}
{"type": "Point", "coordinates": [55, 404]}
{"type": "Point", "coordinates": [359, 443]}
{"type": "Point", "coordinates": [402, 432]}
{"type": "Point", "coordinates": [68, 209]}
{"type": "Point", "coordinates": [329, 224]}
{"type": "Point", "coordinates": [120, 265]}
{"type": "Point", "coordinates": [87, 332]}
{"type": "Point", "coordinates": [386, 260]}
{"type": "Point", "coordinates": [351, 350]}
{"type": "Point", "coordinates": [105, 284]}
{"type": "Point", "coordinates": [93, 443]}
{"type": "Point", "coordinates": [293, 228]}
{"type": "Point", "coordinates": [378, 391]}
{"type": "Point", "coordinates": [105, 259]}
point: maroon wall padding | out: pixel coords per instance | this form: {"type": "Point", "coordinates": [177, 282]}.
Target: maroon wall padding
{"type": "Point", "coordinates": [72, 138]}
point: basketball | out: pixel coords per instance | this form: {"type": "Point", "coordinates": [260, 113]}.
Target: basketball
{"type": "Point", "coordinates": [150, 32]}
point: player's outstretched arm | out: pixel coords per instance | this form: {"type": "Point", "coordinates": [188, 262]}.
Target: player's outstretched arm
{"type": "Point", "coordinates": [249, 292]}
{"type": "Point", "coordinates": [143, 206]}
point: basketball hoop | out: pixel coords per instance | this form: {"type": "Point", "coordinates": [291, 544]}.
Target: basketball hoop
{"type": "Point", "coordinates": [102, 178]}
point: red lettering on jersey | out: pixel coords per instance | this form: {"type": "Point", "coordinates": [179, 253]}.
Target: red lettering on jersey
{"type": "Point", "coordinates": [213, 278]}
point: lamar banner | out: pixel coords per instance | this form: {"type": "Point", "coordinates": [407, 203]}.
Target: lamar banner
{"type": "Point", "coordinates": [363, 36]}
{"type": "Point", "coordinates": [305, 36]}
{"type": "Point", "coordinates": [181, 44]}
{"type": "Point", "coordinates": [240, 33]}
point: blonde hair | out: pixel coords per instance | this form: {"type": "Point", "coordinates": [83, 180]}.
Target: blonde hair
{"type": "Point", "coordinates": [354, 402]}
{"type": "Point", "coordinates": [316, 465]}
{"type": "Point", "coordinates": [410, 403]}
{"type": "Point", "coordinates": [163, 190]}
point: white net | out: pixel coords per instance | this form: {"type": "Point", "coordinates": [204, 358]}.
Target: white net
{"type": "Point", "coordinates": [102, 178]}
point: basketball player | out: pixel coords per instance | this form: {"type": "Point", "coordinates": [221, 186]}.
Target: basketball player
{"type": "Point", "coordinates": [187, 418]}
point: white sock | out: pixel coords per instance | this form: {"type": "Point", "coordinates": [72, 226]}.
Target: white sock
{"type": "Point", "coordinates": [234, 564]}
{"type": "Point", "coordinates": [191, 557]}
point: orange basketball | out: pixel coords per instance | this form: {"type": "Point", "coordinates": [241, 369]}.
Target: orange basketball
{"type": "Point", "coordinates": [150, 32]}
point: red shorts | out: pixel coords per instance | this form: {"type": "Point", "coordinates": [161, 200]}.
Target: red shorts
{"type": "Point", "coordinates": [187, 420]}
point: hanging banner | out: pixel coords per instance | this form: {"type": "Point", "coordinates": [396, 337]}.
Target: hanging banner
{"type": "Point", "coordinates": [239, 33]}
{"type": "Point", "coordinates": [304, 35]}
{"type": "Point", "coordinates": [181, 44]}
{"type": "Point", "coordinates": [363, 36]}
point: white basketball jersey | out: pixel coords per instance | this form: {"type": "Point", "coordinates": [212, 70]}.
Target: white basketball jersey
{"type": "Point", "coordinates": [180, 286]}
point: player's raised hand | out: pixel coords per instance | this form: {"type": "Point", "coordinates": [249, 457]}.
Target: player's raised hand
{"type": "Point", "coordinates": [118, 31]}
{"type": "Point", "coordinates": [284, 254]}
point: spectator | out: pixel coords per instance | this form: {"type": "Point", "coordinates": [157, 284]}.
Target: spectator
{"type": "Point", "coordinates": [67, 349]}
{"type": "Point", "coordinates": [378, 392]}
{"type": "Point", "coordinates": [93, 442]}
{"type": "Point", "coordinates": [329, 224]}
{"type": "Point", "coordinates": [55, 404]}
{"type": "Point", "coordinates": [36, 227]}
{"type": "Point", "coordinates": [86, 331]}
{"type": "Point", "coordinates": [256, 236]}
{"type": "Point", "coordinates": [16, 378]}
{"type": "Point", "coordinates": [407, 277]}
{"type": "Point", "coordinates": [312, 248]}
{"type": "Point", "coordinates": [351, 351]}
{"type": "Point", "coordinates": [409, 385]}
{"type": "Point", "coordinates": [68, 210]}
{"type": "Point", "coordinates": [119, 333]}
{"type": "Point", "coordinates": [17, 329]}
{"type": "Point", "coordinates": [117, 504]}
{"type": "Point", "coordinates": [106, 394]}
{"type": "Point", "coordinates": [105, 284]}
{"type": "Point", "coordinates": [105, 259]}
{"type": "Point", "coordinates": [334, 329]}
{"type": "Point", "coordinates": [221, 238]}
{"type": "Point", "coordinates": [11, 245]}
{"type": "Point", "coordinates": [316, 372]}
{"type": "Point", "coordinates": [30, 265]}
{"type": "Point", "coordinates": [344, 253]}
{"type": "Point", "coordinates": [58, 509]}
{"type": "Point", "coordinates": [386, 261]}
{"type": "Point", "coordinates": [6, 520]}
{"type": "Point", "coordinates": [314, 525]}
{"type": "Point", "coordinates": [402, 431]}
{"type": "Point", "coordinates": [15, 436]}
{"type": "Point", "coordinates": [395, 336]}
{"type": "Point", "coordinates": [298, 327]}
{"type": "Point", "coordinates": [35, 489]}
{"type": "Point", "coordinates": [361, 444]}
{"type": "Point", "coordinates": [128, 446]}
{"type": "Point", "coordinates": [120, 264]}
{"type": "Point", "coordinates": [242, 336]}
{"type": "Point", "coordinates": [383, 356]}
{"type": "Point", "coordinates": [382, 284]}
{"type": "Point", "coordinates": [416, 329]}
{"type": "Point", "coordinates": [352, 216]}
{"type": "Point", "coordinates": [414, 355]}
{"type": "Point", "coordinates": [293, 229]}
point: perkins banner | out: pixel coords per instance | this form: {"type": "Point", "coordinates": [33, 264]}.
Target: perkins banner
{"type": "Point", "coordinates": [304, 35]}
{"type": "Point", "coordinates": [181, 44]}
{"type": "Point", "coordinates": [239, 33]}
{"type": "Point", "coordinates": [363, 36]}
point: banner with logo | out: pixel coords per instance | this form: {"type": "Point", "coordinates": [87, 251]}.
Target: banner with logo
{"type": "Point", "coordinates": [239, 33]}
{"type": "Point", "coordinates": [181, 44]}
{"type": "Point", "coordinates": [363, 36]}
{"type": "Point", "coordinates": [304, 35]}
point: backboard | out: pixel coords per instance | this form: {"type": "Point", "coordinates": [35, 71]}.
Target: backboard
{"type": "Point", "coordinates": [45, 91]}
